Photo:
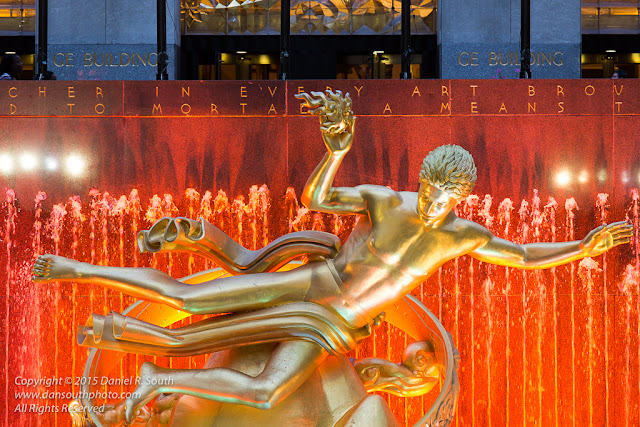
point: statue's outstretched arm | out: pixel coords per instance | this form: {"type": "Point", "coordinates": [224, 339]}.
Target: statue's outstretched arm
{"type": "Point", "coordinates": [337, 125]}
{"type": "Point", "coordinates": [545, 255]}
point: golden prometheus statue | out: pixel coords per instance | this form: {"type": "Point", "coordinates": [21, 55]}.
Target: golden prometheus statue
{"type": "Point", "coordinates": [283, 330]}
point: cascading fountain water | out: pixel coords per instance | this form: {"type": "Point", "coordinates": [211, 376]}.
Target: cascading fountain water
{"type": "Point", "coordinates": [503, 340]}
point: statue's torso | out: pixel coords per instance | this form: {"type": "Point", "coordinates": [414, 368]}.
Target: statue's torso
{"type": "Point", "coordinates": [391, 251]}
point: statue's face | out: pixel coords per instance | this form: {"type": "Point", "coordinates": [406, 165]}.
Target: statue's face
{"type": "Point", "coordinates": [434, 204]}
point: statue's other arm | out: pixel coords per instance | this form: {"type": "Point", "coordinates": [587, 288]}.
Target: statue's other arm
{"type": "Point", "coordinates": [337, 125]}
{"type": "Point", "coordinates": [545, 255]}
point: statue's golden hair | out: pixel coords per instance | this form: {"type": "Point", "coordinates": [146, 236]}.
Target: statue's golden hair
{"type": "Point", "coordinates": [450, 168]}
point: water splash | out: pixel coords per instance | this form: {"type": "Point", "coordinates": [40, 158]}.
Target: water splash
{"type": "Point", "coordinates": [587, 269]}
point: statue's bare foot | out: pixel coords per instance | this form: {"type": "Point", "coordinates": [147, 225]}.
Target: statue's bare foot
{"type": "Point", "coordinates": [49, 268]}
{"type": "Point", "coordinates": [150, 376]}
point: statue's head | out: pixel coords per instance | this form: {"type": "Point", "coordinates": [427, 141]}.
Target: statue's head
{"type": "Point", "coordinates": [447, 176]}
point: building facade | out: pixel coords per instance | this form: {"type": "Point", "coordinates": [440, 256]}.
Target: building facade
{"type": "Point", "coordinates": [240, 39]}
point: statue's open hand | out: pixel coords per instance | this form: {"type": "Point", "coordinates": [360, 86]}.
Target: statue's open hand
{"type": "Point", "coordinates": [605, 237]}
{"type": "Point", "coordinates": [336, 118]}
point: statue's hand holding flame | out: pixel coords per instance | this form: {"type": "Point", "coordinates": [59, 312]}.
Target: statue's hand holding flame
{"type": "Point", "coordinates": [336, 118]}
{"type": "Point", "coordinates": [605, 237]}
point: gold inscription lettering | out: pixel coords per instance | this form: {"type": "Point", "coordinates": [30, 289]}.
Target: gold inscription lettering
{"type": "Point", "coordinates": [153, 63]}
{"type": "Point", "coordinates": [42, 91]}
{"type": "Point", "coordinates": [272, 108]}
{"type": "Point", "coordinates": [55, 59]}
{"type": "Point", "coordinates": [141, 59]}
{"type": "Point", "coordinates": [358, 89]}
{"type": "Point", "coordinates": [185, 108]}
{"type": "Point", "coordinates": [300, 89]}
{"type": "Point", "coordinates": [493, 59]}
{"type": "Point", "coordinates": [502, 108]}
{"type": "Point", "coordinates": [99, 108]}
{"type": "Point", "coordinates": [559, 90]}
{"type": "Point", "coordinates": [618, 104]}
{"type": "Point", "coordinates": [560, 107]}
{"type": "Point", "coordinates": [214, 109]}
{"type": "Point", "coordinates": [532, 91]}
{"type": "Point", "coordinates": [444, 107]}
{"type": "Point", "coordinates": [474, 59]}
{"type": "Point", "coordinates": [415, 90]}
{"type": "Point", "coordinates": [68, 60]}
{"type": "Point", "coordinates": [615, 89]}
{"type": "Point", "coordinates": [95, 60]}
{"type": "Point", "coordinates": [506, 62]}
{"type": "Point", "coordinates": [387, 108]}
{"type": "Point", "coordinates": [463, 62]}
{"type": "Point", "coordinates": [243, 105]}
{"type": "Point", "coordinates": [473, 89]}
{"type": "Point", "coordinates": [544, 57]}
{"type": "Point", "coordinates": [559, 62]}
{"type": "Point", "coordinates": [531, 107]}
{"type": "Point", "coordinates": [13, 109]}
{"type": "Point", "coordinates": [88, 62]}
{"type": "Point", "coordinates": [445, 91]}
{"type": "Point", "coordinates": [474, 107]}
{"type": "Point", "coordinates": [272, 92]}
{"type": "Point", "coordinates": [589, 90]}
{"type": "Point", "coordinates": [158, 108]}
{"type": "Point", "coordinates": [243, 92]}
{"type": "Point", "coordinates": [71, 92]}
{"type": "Point", "coordinates": [186, 91]}
{"type": "Point", "coordinates": [16, 92]}
{"type": "Point", "coordinates": [156, 91]}
{"type": "Point", "coordinates": [122, 63]}
{"type": "Point", "coordinates": [99, 92]}
{"type": "Point", "coordinates": [71, 108]}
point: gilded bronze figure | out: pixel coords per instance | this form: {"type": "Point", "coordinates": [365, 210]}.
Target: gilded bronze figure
{"type": "Point", "coordinates": [324, 307]}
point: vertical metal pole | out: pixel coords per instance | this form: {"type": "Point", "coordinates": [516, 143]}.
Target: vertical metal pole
{"type": "Point", "coordinates": [285, 28]}
{"type": "Point", "coordinates": [525, 39]}
{"type": "Point", "coordinates": [163, 58]}
{"type": "Point", "coordinates": [42, 13]}
{"type": "Point", "coordinates": [405, 40]}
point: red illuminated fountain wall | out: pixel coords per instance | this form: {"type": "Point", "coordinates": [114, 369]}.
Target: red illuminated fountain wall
{"type": "Point", "coordinates": [555, 158]}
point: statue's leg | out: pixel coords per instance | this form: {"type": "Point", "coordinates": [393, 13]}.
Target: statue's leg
{"type": "Point", "coordinates": [289, 366]}
{"type": "Point", "coordinates": [229, 294]}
